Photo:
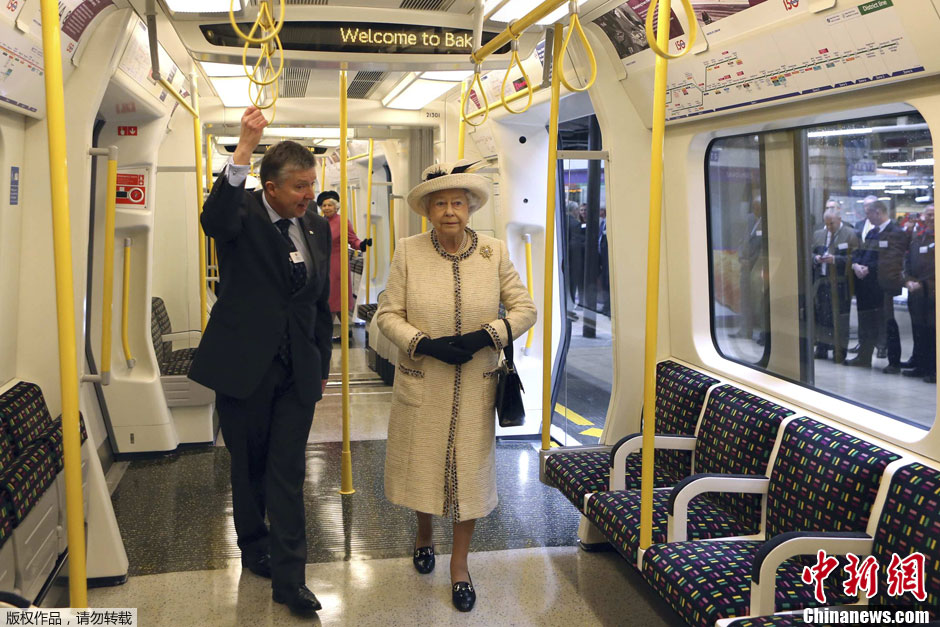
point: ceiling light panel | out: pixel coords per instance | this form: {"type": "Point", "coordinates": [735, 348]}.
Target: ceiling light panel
{"type": "Point", "coordinates": [232, 90]}
{"type": "Point", "coordinates": [222, 69]}
{"type": "Point", "coordinates": [418, 94]}
{"type": "Point", "coordinates": [515, 9]}
{"type": "Point", "coordinates": [203, 6]}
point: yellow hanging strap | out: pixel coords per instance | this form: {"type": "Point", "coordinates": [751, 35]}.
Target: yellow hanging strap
{"type": "Point", "coordinates": [263, 75]}
{"type": "Point", "coordinates": [660, 47]}
{"type": "Point", "coordinates": [479, 89]}
{"type": "Point", "coordinates": [514, 59]}
{"type": "Point", "coordinates": [652, 263]}
{"type": "Point", "coordinates": [575, 25]}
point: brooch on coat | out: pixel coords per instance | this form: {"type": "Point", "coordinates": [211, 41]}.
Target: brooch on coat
{"type": "Point", "coordinates": [486, 252]}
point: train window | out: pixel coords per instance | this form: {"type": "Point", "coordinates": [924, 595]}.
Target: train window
{"type": "Point", "coordinates": [822, 259]}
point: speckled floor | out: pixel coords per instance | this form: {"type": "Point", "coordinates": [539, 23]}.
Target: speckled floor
{"type": "Point", "coordinates": [176, 521]}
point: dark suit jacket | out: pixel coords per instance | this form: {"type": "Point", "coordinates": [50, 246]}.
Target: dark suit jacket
{"type": "Point", "coordinates": [255, 304]}
{"type": "Point", "coordinates": [842, 244]}
{"type": "Point", "coordinates": [884, 256]}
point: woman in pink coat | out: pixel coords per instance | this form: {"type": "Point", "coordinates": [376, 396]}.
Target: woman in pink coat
{"type": "Point", "coordinates": [329, 207]}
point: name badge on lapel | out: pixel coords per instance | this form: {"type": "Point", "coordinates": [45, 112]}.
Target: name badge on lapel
{"type": "Point", "coordinates": [924, 249]}
{"type": "Point", "coordinates": [882, 243]}
{"type": "Point", "coordinates": [843, 246]}
{"type": "Point", "coordinates": [296, 257]}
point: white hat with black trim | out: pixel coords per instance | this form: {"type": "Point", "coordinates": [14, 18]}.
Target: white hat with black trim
{"type": "Point", "coordinates": [457, 175]}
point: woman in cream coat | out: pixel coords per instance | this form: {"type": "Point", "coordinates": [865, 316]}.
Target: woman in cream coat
{"type": "Point", "coordinates": [440, 307]}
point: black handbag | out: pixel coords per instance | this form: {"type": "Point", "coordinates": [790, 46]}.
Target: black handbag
{"type": "Point", "coordinates": [509, 407]}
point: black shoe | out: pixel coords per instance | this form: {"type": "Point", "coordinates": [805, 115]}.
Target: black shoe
{"type": "Point", "coordinates": [858, 361]}
{"type": "Point", "coordinates": [908, 364]}
{"type": "Point", "coordinates": [259, 565]}
{"type": "Point", "coordinates": [891, 369]}
{"type": "Point", "coordinates": [464, 596]}
{"type": "Point", "coordinates": [299, 599]}
{"type": "Point", "coordinates": [337, 338]}
{"type": "Point", "coordinates": [930, 378]}
{"type": "Point", "coordinates": [424, 559]}
{"type": "Point", "coordinates": [882, 353]}
{"type": "Point", "coordinates": [914, 372]}
{"type": "Point", "coordinates": [854, 349]}
{"type": "Point", "coordinates": [821, 353]}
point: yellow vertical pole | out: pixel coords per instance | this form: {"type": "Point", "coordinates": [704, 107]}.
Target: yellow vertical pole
{"type": "Point", "coordinates": [368, 253]}
{"type": "Point", "coordinates": [346, 486]}
{"type": "Point", "coordinates": [652, 278]}
{"type": "Point", "coordinates": [529, 285]}
{"type": "Point", "coordinates": [424, 224]}
{"type": "Point", "coordinates": [107, 288]}
{"type": "Point", "coordinates": [197, 138]}
{"type": "Point", "coordinates": [550, 198]}
{"type": "Point", "coordinates": [391, 228]}
{"type": "Point", "coordinates": [65, 303]}
{"type": "Point", "coordinates": [213, 255]}
{"type": "Point", "coordinates": [352, 208]}
{"type": "Point", "coordinates": [375, 266]}
{"type": "Point", "coordinates": [462, 126]}
{"type": "Point", "coordinates": [323, 174]}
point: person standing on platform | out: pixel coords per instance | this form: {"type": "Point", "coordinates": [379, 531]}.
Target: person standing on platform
{"type": "Point", "coordinates": [922, 301]}
{"type": "Point", "coordinates": [266, 350]}
{"type": "Point", "coordinates": [832, 246]}
{"type": "Point", "coordinates": [329, 204]}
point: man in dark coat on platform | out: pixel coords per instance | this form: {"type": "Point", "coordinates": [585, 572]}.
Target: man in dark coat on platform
{"type": "Point", "coordinates": [922, 301]}
{"type": "Point", "coordinates": [266, 350]}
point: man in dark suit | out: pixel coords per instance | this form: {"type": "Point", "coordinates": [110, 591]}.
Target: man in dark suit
{"type": "Point", "coordinates": [751, 261]}
{"type": "Point", "coordinates": [266, 350]}
{"type": "Point", "coordinates": [832, 246]}
{"type": "Point", "coordinates": [922, 301]}
{"type": "Point", "coordinates": [877, 266]}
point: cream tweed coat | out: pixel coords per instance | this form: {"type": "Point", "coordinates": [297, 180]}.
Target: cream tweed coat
{"type": "Point", "coordinates": [441, 432]}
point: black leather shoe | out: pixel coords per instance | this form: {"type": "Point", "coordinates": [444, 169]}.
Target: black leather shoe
{"type": "Point", "coordinates": [930, 378]}
{"type": "Point", "coordinates": [914, 372]}
{"type": "Point", "coordinates": [259, 565]}
{"type": "Point", "coordinates": [858, 361]}
{"type": "Point", "coordinates": [424, 559]}
{"type": "Point", "coordinates": [908, 364]}
{"type": "Point", "coordinates": [891, 369]}
{"type": "Point", "coordinates": [299, 599]}
{"type": "Point", "coordinates": [464, 596]}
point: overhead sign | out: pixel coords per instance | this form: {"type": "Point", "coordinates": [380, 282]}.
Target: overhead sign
{"type": "Point", "coordinates": [131, 190]}
{"type": "Point", "coordinates": [364, 38]}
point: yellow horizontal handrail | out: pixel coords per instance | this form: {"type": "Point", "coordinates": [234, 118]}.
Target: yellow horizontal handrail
{"type": "Point", "coordinates": [354, 157]}
{"type": "Point", "coordinates": [512, 98]}
{"type": "Point", "coordinates": [515, 29]}
{"type": "Point", "coordinates": [125, 304]}
{"type": "Point", "coordinates": [176, 95]}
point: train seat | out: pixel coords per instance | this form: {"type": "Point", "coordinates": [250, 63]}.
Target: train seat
{"type": "Point", "coordinates": [680, 396]}
{"type": "Point", "coordinates": [821, 479]}
{"type": "Point", "coordinates": [190, 403]}
{"type": "Point", "coordinates": [736, 436]}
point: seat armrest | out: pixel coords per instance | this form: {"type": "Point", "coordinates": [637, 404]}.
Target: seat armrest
{"type": "Point", "coordinates": [782, 547]}
{"type": "Point", "coordinates": [180, 335]}
{"type": "Point", "coordinates": [693, 486]}
{"type": "Point", "coordinates": [633, 443]}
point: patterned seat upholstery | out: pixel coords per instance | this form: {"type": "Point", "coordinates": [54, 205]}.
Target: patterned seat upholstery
{"type": "Point", "coordinates": [24, 415]}
{"type": "Point", "coordinates": [736, 436]}
{"type": "Point", "coordinates": [778, 620]}
{"type": "Point", "coordinates": [822, 480]}
{"type": "Point", "coordinates": [27, 478]}
{"type": "Point", "coordinates": [680, 393]}
{"type": "Point", "coordinates": [53, 436]}
{"type": "Point", "coordinates": [172, 362]}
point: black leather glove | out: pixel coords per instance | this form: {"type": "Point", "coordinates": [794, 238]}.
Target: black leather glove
{"type": "Point", "coordinates": [365, 243]}
{"type": "Point", "coordinates": [475, 341]}
{"type": "Point", "coordinates": [444, 349]}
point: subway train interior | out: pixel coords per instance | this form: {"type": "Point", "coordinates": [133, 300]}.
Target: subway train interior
{"type": "Point", "coordinates": [722, 210]}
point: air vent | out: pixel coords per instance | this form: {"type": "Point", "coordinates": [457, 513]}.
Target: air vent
{"type": "Point", "coordinates": [363, 83]}
{"type": "Point", "coordinates": [293, 82]}
{"type": "Point", "coordinates": [427, 5]}
{"type": "Point", "coordinates": [308, 3]}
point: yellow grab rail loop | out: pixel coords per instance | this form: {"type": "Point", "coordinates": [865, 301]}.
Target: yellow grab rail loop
{"type": "Point", "coordinates": [528, 85]}
{"type": "Point", "coordinates": [486, 102]}
{"type": "Point", "coordinates": [575, 25]}
{"type": "Point", "coordinates": [264, 9]}
{"type": "Point", "coordinates": [651, 36]}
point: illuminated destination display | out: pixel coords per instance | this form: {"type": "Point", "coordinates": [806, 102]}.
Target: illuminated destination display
{"type": "Point", "coordinates": [365, 38]}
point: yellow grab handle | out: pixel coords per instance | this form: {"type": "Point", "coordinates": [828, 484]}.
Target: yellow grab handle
{"type": "Point", "coordinates": [125, 304]}
{"type": "Point", "coordinates": [528, 84]}
{"type": "Point", "coordinates": [486, 102]}
{"type": "Point", "coordinates": [576, 26]}
{"type": "Point", "coordinates": [651, 38]}
{"type": "Point", "coordinates": [263, 11]}
{"type": "Point", "coordinates": [266, 54]}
